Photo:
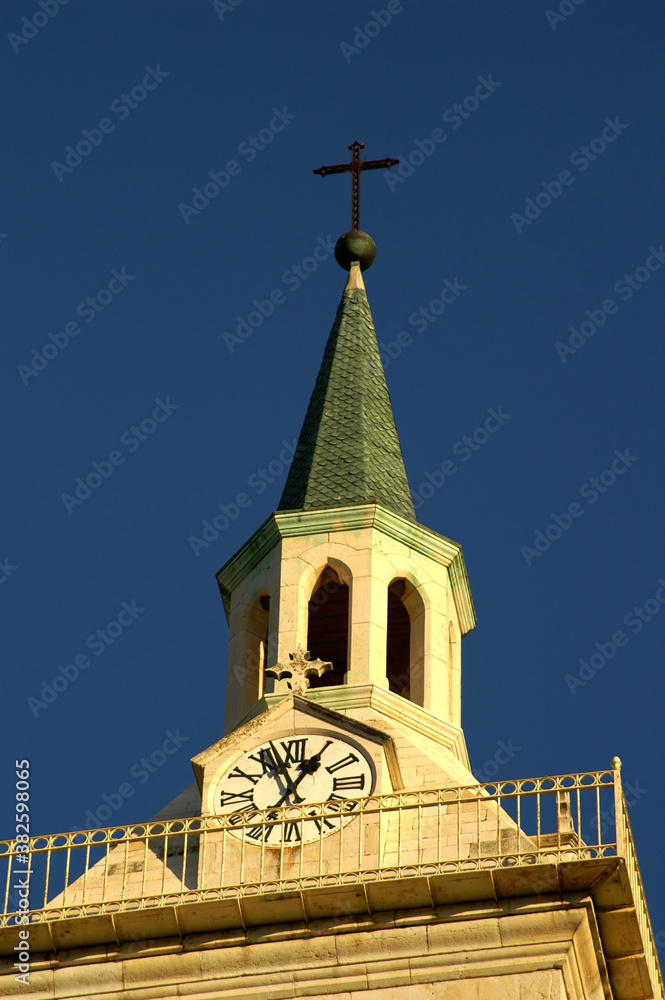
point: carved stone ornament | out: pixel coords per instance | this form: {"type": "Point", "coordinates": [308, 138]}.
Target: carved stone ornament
{"type": "Point", "coordinates": [298, 671]}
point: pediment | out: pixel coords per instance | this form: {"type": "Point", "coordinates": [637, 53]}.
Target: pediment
{"type": "Point", "coordinates": [291, 717]}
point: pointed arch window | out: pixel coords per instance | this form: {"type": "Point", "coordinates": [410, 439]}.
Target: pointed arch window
{"type": "Point", "coordinates": [398, 642]}
{"type": "Point", "coordinates": [328, 627]}
{"type": "Point", "coordinates": [263, 617]}
{"type": "Point", "coordinates": [405, 642]}
{"type": "Point", "coordinates": [250, 671]}
{"type": "Point", "coordinates": [453, 666]}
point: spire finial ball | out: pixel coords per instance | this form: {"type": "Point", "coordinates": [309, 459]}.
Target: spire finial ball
{"type": "Point", "coordinates": [355, 245]}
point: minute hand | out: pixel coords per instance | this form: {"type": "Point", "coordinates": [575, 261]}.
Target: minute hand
{"type": "Point", "coordinates": [307, 767]}
{"type": "Point", "coordinates": [283, 771]}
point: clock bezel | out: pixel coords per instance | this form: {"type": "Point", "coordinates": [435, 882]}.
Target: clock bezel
{"type": "Point", "coordinates": [320, 732]}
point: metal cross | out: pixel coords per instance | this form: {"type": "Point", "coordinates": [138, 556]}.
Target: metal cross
{"type": "Point", "coordinates": [298, 672]}
{"type": "Point", "coordinates": [355, 167]}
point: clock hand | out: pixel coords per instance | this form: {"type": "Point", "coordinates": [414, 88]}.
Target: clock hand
{"type": "Point", "coordinates": [283, 770]}
{"type": "Point", "coordinates": [306, 767]}
{"type": "Point", "coordinates": [313, 764]}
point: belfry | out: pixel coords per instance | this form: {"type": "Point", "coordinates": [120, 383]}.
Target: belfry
{"type": "Point", "coordinates": [334, 842]}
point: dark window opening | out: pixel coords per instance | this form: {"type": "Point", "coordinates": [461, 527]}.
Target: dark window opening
{"type": "Point", "coordinates": [328, 627]}
{"type": "Point", "coordinates": [398, 642]}
{"type": "Point", "coordinates": [264, 603]}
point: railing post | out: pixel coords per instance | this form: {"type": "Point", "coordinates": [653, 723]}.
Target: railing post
{"type": "Point", "coordinates": [619, 824]}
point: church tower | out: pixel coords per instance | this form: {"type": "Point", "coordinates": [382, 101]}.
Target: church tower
{"type": "Point", "coordinates": [344, 571]}
{"type": "Point", "coordinates": [334, 842]}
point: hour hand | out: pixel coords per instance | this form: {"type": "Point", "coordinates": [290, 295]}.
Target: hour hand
{"type": "Point", "coordinates": [281, 768]}
{"type": "Point", "coordinates": [305, 767]}
{"type": "Point", "coordinates": [312, 764]}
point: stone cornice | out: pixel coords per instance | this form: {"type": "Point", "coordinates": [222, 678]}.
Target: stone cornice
{"type": "Point", "coordinates": [199, 948]}
{"type": "Point", "coordinates": [290, 524]}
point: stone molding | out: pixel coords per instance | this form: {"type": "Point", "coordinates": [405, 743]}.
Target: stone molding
{"type": "Point", "coordinates": [510, 948]}
{"type": "Point", "coordinates": [347, 697]}
{"type": "Point", "coordinates": [289, 524]}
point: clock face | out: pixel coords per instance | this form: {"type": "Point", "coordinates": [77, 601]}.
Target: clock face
{"type": "Point", "coordinates": [295, 771]}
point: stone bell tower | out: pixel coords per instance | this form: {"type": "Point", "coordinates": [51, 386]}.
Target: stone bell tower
{"type": "Point", "coordinates": [334, 842]}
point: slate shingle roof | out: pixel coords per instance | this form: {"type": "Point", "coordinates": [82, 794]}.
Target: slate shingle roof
{"type": "Point", "coordinates": [348, 451]}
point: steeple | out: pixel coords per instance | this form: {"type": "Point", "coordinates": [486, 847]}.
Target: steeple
{"type": "Point", "coordinates": [348, 452]}
{"type": "Point", "coordinates": [342, 570]}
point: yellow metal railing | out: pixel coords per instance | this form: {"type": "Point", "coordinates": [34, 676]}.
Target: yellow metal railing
{"type": "Point", "coordinates": [498, 825]}
{"type": "Point", "coordinates": [626, 849]}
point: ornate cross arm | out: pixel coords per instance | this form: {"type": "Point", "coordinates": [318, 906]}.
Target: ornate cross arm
{"type": "Point", "coordinates": [299, 670]}
{"type": "Point", "coordinates": [355, 168]}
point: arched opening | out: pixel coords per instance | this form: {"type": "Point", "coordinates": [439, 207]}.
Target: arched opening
{"type": "Point", "coordinates": [398, 641]}
{"type": "Point", "coordinates": [453, 654]}
{"type": "Point", "coordinates": [328, 627]}
{"type": "Point", "coordinates": [264, 622]}
{"type": "Point", "coordinates": [253, 636]}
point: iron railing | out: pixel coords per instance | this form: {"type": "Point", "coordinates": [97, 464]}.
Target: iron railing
{"type": "Point", "coordinates": [497, 825]}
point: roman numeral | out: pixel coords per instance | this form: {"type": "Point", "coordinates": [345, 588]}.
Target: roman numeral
{"type": "Point", "coordinates": [245, 799]}
{"type": "Point", "coordinates": [294, 750]}
{"type": "Point", "coordinates": [321, 821]}
{"type": "Point", "coordinates": [350, 781]}
{"type": "Point", "coordinates": [238, 773]}
{"type": "Point", "coordinates": [260, 832]}
{"type": "Point", "coordinates": [344, 762]}
{"type": "Point", "coordinates": [265, 759]}
{"type": "Point", "coordinates": [291, 832]}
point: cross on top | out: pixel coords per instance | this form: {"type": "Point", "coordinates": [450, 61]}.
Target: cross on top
{"type": "Point", "coordinates": [299, 670]}
{"type": "Point", "coordinates": [355, 167]}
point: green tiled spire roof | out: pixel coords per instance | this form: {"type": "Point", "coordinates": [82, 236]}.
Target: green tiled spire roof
{"type": "Point", "coordinates": [348, 451]}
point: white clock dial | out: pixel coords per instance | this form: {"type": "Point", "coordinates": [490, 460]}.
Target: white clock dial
{"type": "Point", "coordinates": [294, 770]}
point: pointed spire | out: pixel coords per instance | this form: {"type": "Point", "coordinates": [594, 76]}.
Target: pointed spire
{"type": "Point", "coordinates": [348, 452]}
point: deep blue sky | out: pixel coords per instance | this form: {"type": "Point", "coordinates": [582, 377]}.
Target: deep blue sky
{"type": "Point", "coordinates": [162, 337]}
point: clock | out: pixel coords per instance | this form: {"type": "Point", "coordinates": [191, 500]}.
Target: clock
{"type": "Point", "coordinates": [302, 771]}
